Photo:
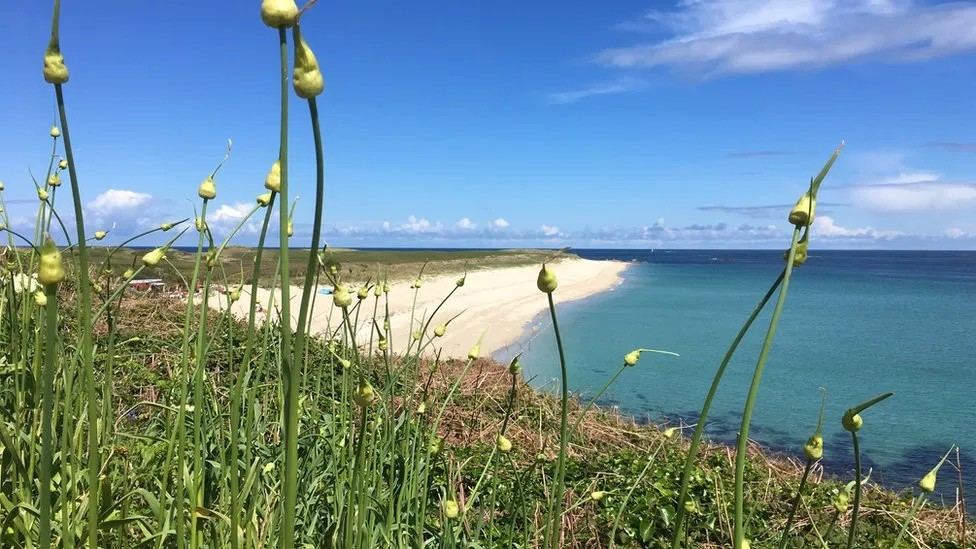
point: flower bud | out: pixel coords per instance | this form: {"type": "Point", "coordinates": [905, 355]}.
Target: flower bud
{"type": "Point", "coordinates": [503, 444]}
{"type": "Point", "coordinates": [264, 199]}
{"type": "Point", "coordinates": [273, 181]}
{"type": "Point", "coordinates": [383, 344]}
{"type": "Point", "coordinates": [307, 78]}
{"type": "Point", "coordinates": [364, 395]}
{"type": "Point", "coordinates": [341, 297]}
{"type": "Point", "coordinates": [63, 164]}
{"type": "Point", "coordinates": [55, 71]}
{"type": "Point", "coordinates": [460, 282]}
{"type": "Point", "coordinates": [814, 447]}
{"type": "Point", "coordinates": [55, 132]}
{"type": "Point", "coordinates": [377, 290]}
{"type": "Point", "coordinates": [151, 259]}
{"type": "Point", "coordinates": [99, 235]}
{"type": "Point", "coordinates": [42, 194]}
{"type": "Point", "coordinates": [290, 229]}
{"type": "Point", "coordinates": [852, 421]}
{"type": "Point", "coordinates": [670, 431]}
{"type": "Point", "coordinates": [166, 226]}
{"type": "Point", "coordinates": [598, 495]}
{"type": "Point", "coordinates": [386, 288]}
{"type": "Point", "coordinates": [631, 358]}
{"type": "Point", "coordinates": [268, 468]}
{"type": "Point", "coordinates": [363, 293]}
{"type": "Point", "coordinates": [279, 13]}
{"type": "Point", "coordinates": [450, 509]}
{"type": "Point", "coordinates": [54, 180]}
{"type": "Point", "coordinates": [514, 368]}
{"type": "Point", "coordinates": [691, 506]}
{"type": "Point", "coordinates": [840, 501]}
{"type": "Point", "coordinates": [2, 187]}
{"type": "Point", "coordinates": [129, 273]}
{"type": "Point", "coordinates": [417, 283]}
{"type": "Point", "coordinates": [802, 213]}
{"type": "Point", "coordinates": [345, 363]}
{"type": "Point", "coordinates": [927, 484]}
{"type": "Point", "coordinates": [547, 282]}
{"type": "Point", "coordinates": [436, 445]}
{"type": "Point", "coordinates": [417, 335]}
{"type": "Point", "coordinates": [475, 351]}
{"type": "Point", "coordinates": [421, 408]}
{"type": "Point", "coordinates": [50, 269]}
{"type": "Point", "coordinates": [440, 330]}
{"type": "Point", "coordinates": [207, 189]}
{"type": "Point", "coordinates": [40, 298]}
{"type": "Point", "coordinates": [800, 256]}
{"type": "Point", "coordinates": [235, 294]}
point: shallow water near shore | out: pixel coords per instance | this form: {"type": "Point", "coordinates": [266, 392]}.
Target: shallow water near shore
{"type": "Point", "coordinates": [858, 323]}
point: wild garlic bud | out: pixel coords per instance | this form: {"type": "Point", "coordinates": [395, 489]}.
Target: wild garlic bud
{"type": "Point", "coordinates": [200, 224]}
{"type": "Point", "coordinates": [235, 294]}
{"type": "Point", "coordinates": [268, 468]}
{"type": "Point", "coordinates": [460, 282]}
{"type": "Point", "coordinates": [852, 421]}
{"type": "Point", "coordinates": [840, 501]}
{"type": "Point", "coordinates": [802, 213]}
{"type": "Point", "coordinates": [475, 351]}
{"type": "Point", "coordinates": [50, 268]}
{"type": "Point", "coordinates": [63, 164]}
{"type": "Point", "coordinates": [42, 194]}
{"type": "Point", "coordinates": [55, 71]}
{"type": "Point", "coordinates": [417, 283]}
{"type": "Point", "coordinates": [129, 273]}
{"type": "Point", "coordinates": [547, 282]}
{"type": "Point", "coordinates": [383, 344]}
{"type": "Point", "coordinates": [364, 394]}
{"type": "Point", "coordinates": [421, 408]}
{"type": "Point", "coordinates": [151, 259]}
{"type": "Point", "coordinates": [598, 495]}
{"type": "Point", "coordinates": [54, 180]}
{"type": "Point", "coordinates": [631, 358]}
{"type": "Point", "coordinates": [307, 77]}
{"type": "Point", "coordinates": [341, 297]}
{"type": "Point", "coordinates": [814, 447]}
{"type": "Point", "coordinates": [279, 13]}
{"type": "Point", "coordinates": [417, 335]}
{"type": "Point", "coordinates": [800, 256]}
{"type": "Point", "coordinates": [207, 189]}
{"type": "Point", "coordinates": [40, 298]}
{"type": "Point", "coordinates": [927, 484]}
{"type": "Point", "coordinates": [436, 445]}
{"type": "Point", "coordinates": [55, 132]}
{"type": "Point", "coordinates": [440, 330]}
{"type": "Point", "coordinates": [264, 199]}
{"type": "Point", "coordinates": [2, 187]}
{"type": "Point", "coordinates": [363, 293]}
{"type": "Point", "coordinates": [451, 509]}
{"type": "Point", "coordinates": [345, 363]}
{"type": "Point", "coordinates": [99, 235]}
{"type": "Point", "coordinates": [503, 444]}
{"type": "Point", "coordinates": [386, 288]}
{"type": "Point", "coordinates": [377, 290]}
{"type": "Point", "coordinates": [290, 229]}
{"type": "Point", "coordinates": [273, 180]}
{"type": "Point", "coordinates": [166, 226]}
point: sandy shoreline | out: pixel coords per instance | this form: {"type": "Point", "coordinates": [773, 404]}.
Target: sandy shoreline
{"type": "Point", "coordinates": [499, 302]}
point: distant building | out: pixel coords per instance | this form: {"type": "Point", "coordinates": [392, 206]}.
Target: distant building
{"type": "Point", "coordinates": [147, 284]}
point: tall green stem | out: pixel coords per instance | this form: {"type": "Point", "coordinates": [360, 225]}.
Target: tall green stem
{"type": "Point", "coordinates": [557, 504]}
{"type": "Point", "coordinates": [84, 326]}
{"type": "Point", "coordinates": [703, 416]}
{"type": "Point", "coordinates": [857, 491]}
{"type": "Point", "coordinates": [288, 370]}
{"type": "Point", "coordinates": [47, 413]}
{"type": "Point", "coordinates": [740, 455]}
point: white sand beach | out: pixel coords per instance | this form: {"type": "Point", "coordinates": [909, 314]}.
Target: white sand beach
{"type": "Point", "coordinates": [499, 302]}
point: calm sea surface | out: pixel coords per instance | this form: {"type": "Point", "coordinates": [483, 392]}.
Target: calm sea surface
{"type": "Point", "coordinates": [857, 323]}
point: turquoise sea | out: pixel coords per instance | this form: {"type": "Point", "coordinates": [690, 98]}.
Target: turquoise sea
{"type": "Point", "coordinates": [858, 323]}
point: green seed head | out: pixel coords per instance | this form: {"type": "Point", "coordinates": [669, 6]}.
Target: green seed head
{"type": "Point", "coordinates": [691, 506]}
{"type": "Point", "coordinates": [307, 77]}
{"type": "Point", "coordinates": [814, 447]}
{"type": "Point", "coordinates": [386, 288]}
{"type": "Point", "coordinates": [129, 273]}
{"type": "Point", "coordinates": [153, 258]}
{"type": "Point", "coordinates": [436, 445]}
{"type": "Point", "coordinates": [207, 189]}
{"type": "Point", "coordinates": [2, 187]}
{"type": "Point", "coordinates": [421, 408]}
{"type": "Point", "coordinates": [514, 368]}
{"type": "Point", "coordinates": [99, 235]}
{"type": "Point", "coordinates": [852, 421]}
{"type": "Point", "coordinates": [55, 132]}
{"type": "Point", "coordinates": [273, 180]}
{"type": "Point", "coordinates": [417, 283]}
{"type": "Point", "coordinates": [377, 290]}
{"type": "Point", "coordinates": [503, 444]}
{"type": "Point", "coordinates": [54, 180]}
{"type": "Point", "coordinates": [440, 330]}
{"type": "Point", "coordinates": [598, 495]}
{"type": "Point", "coordinates": [927, 484]}
{"type": "Point", "coordinates": [341, 297]}
{"type": "Point", "coordinates": [268, 468]}
{"type": "Point", "coordinates": [55, 71]}
{"type": "Point", "coordinates": [200, 224]}
{"type": "Point", "coordinates": [40, 298]}
{"type": "Point", "coordinates": [475, 351]}
{"type": "Point", "coordinates": [383, 344]}
{"type": "Point", "coordinates": [547, 282]}
{"type": "Point", "coordinates": [364, 395]}
{"type": "Point", "coordinates": [264, 199]}
{"type": "Point", "coordinates": [451, 509]}
{"type": "Point", "coordinates": [800, 257]}
{"type": "Point", "coordinates": [840, 501]}
{"type": "Point", "coordinates": [50, 268]}
{"type": "Point", "coordinates": [166, 226]}
{"type": "Point", "coordinates": [460, 282]}
{"type": "Point", "coordinates": [290, 230]}
{"type": "Point", "coordinates": [345, 363]}
{"type": "Point", "coordinates": [42, 194]}
{"type": "Point", "coordinates": [279, 13]}
{"type": "Point", "coordinates": [63, 164]}
{"type": "Point", "coordinates": [631, 358]}
{"type": "Point", "coordinates": [363, 293]}
{"type": "Point", "coordinates": [235, 294]}
{"type": "Point", "coordinates": [802, 213]}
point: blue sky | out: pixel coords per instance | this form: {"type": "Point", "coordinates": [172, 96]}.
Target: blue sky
{"type": "Point", "coordinates": [455, 124]}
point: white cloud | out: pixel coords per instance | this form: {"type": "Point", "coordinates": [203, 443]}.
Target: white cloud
{"type": "Point", "coordinates": [118, 200]}
{"type": "Point", "coordinates": [956, 233]}
{"type": "Point", "coordinates": [549, 231]}
{"type": "Point", "coordinates": [746, 36]}
{"type": "Point", "coordinates": [917, 191]}
{"type": "Point", "coordinates": [621, 85]}
{"type": "Point", "coordinates": [500, 223]}
{"type": "Point", "coordinates": [415, 225]}
{"type": "Point", "coordinates": [230, 212]}
{"type": "Point", "coordinates": [466, 224]}
{"type": "Point", "coordinates": [825, 227]}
